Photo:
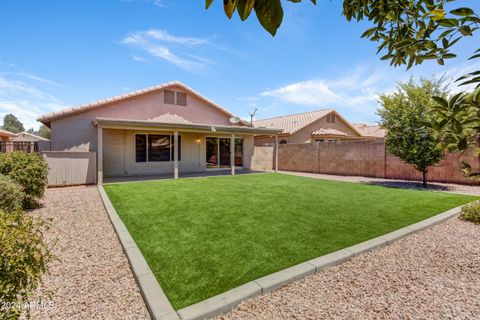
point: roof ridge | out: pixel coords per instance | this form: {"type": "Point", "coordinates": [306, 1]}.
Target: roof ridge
{"type": "Point", "coordinates": [366, 124]}
{"type": "Point", "coordinates": [86, 107]}
{"type": "Point", "coordinates": [295, 114]}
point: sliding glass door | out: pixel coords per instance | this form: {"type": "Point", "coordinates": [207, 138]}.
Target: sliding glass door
{"type": "Point", "coordinates": [218, 152]}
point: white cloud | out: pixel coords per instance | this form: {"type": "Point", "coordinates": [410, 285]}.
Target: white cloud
{"type": "Point", "coordinates": [452, 74]}
{"type": "Point", "coordinates": [162, 35]}
{"type": "Point", "coordinates": [160, 44]}
{"type": "Point", "coordinates": [354, 94]}
{"type": "Point", "coordinates": [157, 3]}
{"type": "Point", "coordinates": [24, 100]}
{"type": "Point", "coordinates": [139, 59]}
{"type": "Point", "coordinates": [358, 91]}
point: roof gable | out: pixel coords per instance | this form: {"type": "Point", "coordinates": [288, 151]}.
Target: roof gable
{"type": "Point", "coordinates": [27, 136]}
{"type": "Point", "coordinates": [47, 118]}
{"type": "Point", "coordinates": [295, 122]}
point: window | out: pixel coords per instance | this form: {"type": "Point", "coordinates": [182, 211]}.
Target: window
{"type": "Point", "coordinates": [331, 118]}
{"type": "Point", "coordinates": [181, 98]}
{"type": "Point", "coordinates": [168, 97]}
{"type": "Point", "coordinates": [283, 141]}
{"type": "Point", "coordinates": [218, 152]}
{"type": "Point", "coordinates": [175, 97]}
{"type": "Point", "coordinates": [156, 148]}
{"type": "Point", "coordinates": [141, 147]}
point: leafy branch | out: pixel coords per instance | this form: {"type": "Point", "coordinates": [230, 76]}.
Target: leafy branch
{"type": "Point", "coordinates": [269, 12]}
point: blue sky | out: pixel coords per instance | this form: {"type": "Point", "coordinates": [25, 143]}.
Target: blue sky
{"type": "Point", "coordinates": [58, 54]}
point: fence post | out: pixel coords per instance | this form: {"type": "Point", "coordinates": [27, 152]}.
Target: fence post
{"type": "Point", "coordinates": [384, 160]}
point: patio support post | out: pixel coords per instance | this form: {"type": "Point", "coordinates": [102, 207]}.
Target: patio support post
{"type": "Point", "coordinates": [276, 153]}
{"type": "Point", "coordinates": [232, 154]}
{"type": "Point", "coordinates": [100, 156]}
{"type": "Point", "coordinates": [175, 155]}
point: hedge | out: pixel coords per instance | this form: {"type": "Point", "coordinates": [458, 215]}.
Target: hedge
{"type": "Point", "coordinates": [30, 171]}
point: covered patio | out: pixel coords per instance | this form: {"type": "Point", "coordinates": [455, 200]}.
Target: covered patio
{"type": "Point", "coordinates": [130, 150]}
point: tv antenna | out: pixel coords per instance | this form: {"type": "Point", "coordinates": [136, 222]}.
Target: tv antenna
{"type": "Point", "coordinates": [252, 114]}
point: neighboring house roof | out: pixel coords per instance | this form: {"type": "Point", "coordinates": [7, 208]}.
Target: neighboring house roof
{"type": "Point", "coordinates": [294, 122]}
{"type": "Point", "coordinates": [370, 130]}
{"type": "Point", "coordinates": [328, 132]}
{"type": "Point", "coordinates": [5, 133]}
{"type": "Point", "coordinates": [47, 118]}
{"type": "Point", "coordinates": [27, 136]}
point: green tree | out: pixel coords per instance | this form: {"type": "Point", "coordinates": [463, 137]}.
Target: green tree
{"type": "Point", "coordinates": [12, 124]}
{"type": "Point", "coordinates": [456, 125]}
{"type": "Point", "coordinates": [408, 32]}
{"type": "Point", "coordinates": [44, 132]}
{"type": "Point", "coordinates": [403, 114]}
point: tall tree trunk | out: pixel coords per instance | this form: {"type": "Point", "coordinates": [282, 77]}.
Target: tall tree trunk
{"type": "Point", "coordinates": [424, 175]}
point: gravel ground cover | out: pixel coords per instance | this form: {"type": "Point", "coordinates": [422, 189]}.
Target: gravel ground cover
{"type": "Point", "coordinates": [435, 186]}
{"type": "Point", "coordinates": [433, 274]}
{"type": "Point", "coordinates": [202, 237]}
{"type": "Point", "coordinates": [91, 278]}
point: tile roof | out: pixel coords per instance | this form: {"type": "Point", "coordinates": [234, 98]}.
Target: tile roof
{"type": "Point", "coordinates": [293, 122]}
{"type": "Point", "coordinates": [370, 130]}
{"type": "Point", "coordinates": [47, 118]}
{"type": "Point", "coordinates": [5, 133]}
{"type": "Point", "coordinates": [324, 132]}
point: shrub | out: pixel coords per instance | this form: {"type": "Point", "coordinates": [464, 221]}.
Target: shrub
{"type": "Point", "coordinates": [11, 195]}
{"type": "Point", "coordinates": [471, 212]}
{"type": "Point", "coordinates": [30, 171]}
{"type": "Point", "coordinates": [24, 257]}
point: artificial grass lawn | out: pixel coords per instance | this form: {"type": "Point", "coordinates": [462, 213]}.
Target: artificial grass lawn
{"type": "Point", "coordinates": [204, 236]}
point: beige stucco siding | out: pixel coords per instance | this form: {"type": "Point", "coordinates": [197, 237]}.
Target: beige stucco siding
{"type": "Point", "coordinates": [76, 132]}
{"type": "Point", "coordinates": [114, 152]}
{"type": "Point", "coordinates": [119, 153]}
{"type": "Point", "coordinates": [305, 135]}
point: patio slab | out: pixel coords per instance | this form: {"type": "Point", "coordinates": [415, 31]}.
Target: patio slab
{"type": "Point", "coordinates": [203, 174]}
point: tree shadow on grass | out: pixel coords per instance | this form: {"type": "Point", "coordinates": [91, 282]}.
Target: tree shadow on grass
{"type": "Point", "coordinates": [410, 185]}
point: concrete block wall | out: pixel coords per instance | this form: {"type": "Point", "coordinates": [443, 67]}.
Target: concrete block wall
{"type": "Point", "coordinates": [263, 158]}
{"type": "Point", "coordinates": [360, 158]}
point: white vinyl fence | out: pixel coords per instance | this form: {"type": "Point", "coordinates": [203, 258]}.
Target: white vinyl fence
{"type": "Point", "coordinates": [67, 168]}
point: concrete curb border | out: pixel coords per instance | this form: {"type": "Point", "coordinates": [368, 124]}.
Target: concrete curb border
{"type": "Point", "coordinates": [155, 299]}
{"type": "Point", "coordinates": [161, 309]}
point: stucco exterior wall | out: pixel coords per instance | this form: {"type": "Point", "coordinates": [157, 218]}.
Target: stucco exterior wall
{"type": "Point", "coordinates": [305, 135]}
{"type": "Point", "coordinates": [119, 153]}
{"type": "Point", "coordinates": [76, 132]}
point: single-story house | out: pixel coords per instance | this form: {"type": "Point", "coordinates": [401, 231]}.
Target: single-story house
{"type": "Point", "coordinates": [162, 129]}
{"type": "Point", "coordinates": [30, 142]}
{"type": "Point", "coordinates": [6, 135]}
{"type": "Point", "coordinates": [307, 127]}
